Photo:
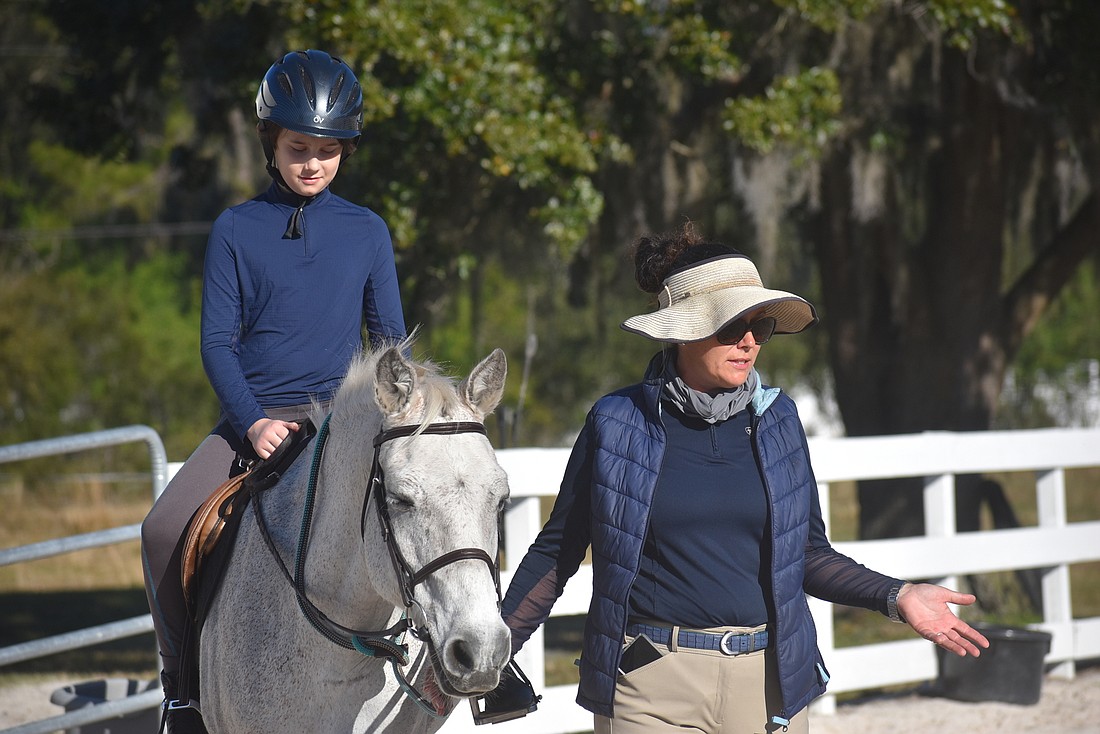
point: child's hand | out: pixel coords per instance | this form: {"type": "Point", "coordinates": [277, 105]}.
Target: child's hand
{"type": "Point", "coordinates": [266, 434]}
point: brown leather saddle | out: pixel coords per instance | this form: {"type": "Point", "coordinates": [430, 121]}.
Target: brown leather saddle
{"type": "Point", "coordinates": [205, 530]}
{"type": "Point", "coordinates": [217, 518]}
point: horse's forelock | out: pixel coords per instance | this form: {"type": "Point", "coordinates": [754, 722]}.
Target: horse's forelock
{"type": "Point", "coordinates": [438, 393]}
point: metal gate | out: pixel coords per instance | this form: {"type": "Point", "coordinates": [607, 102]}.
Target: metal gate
{"type": "Point", "coordinates": [91, 635]}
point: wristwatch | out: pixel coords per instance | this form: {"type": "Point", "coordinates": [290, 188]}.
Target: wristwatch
{"type": "Point", "coordinates": [892, 603]}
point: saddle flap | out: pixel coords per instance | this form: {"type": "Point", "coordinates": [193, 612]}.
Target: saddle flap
{"type": "Point", "coordinates": [204, 530]}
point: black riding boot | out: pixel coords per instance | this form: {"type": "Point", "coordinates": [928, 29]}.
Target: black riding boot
{"type": "Point", "coordinates": [179, 717]}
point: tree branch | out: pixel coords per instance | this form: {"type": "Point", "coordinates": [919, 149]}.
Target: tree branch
{"type": "Point", "coordinates": [1035, 289]}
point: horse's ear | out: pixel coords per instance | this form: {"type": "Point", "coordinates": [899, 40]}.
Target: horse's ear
{"type": "Point", "coordinates": [484, 387]}
{"type": "Point", "coordinates": [394, 382]}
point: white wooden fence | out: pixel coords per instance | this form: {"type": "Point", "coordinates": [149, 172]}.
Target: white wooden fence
{"type": "Point", "coordinates": [1052, 547]}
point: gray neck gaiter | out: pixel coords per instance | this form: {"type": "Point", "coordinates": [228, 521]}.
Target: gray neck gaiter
{"type": "Point", "coordinates": [711, 408]}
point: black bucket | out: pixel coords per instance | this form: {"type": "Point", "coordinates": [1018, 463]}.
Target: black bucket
{"type": "Point", "coordinates": [1010, 670]}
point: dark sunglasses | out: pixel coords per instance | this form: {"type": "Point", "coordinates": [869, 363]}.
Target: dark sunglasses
{"type": "Point", "coordinates": [733, 332]}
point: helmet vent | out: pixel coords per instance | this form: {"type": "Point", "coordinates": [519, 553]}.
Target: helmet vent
{"type": "Point", "coordinates": [284, 82]}
{"type": "Point", "coordinates": [355, 106]}
{"type": "Point", "coordinates": [334, 92]}
{"type": "Point", "coordinates": [307, 87]}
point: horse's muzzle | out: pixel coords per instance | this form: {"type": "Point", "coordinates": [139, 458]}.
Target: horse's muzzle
{"type": "Point", "coordinates": [471, 664]}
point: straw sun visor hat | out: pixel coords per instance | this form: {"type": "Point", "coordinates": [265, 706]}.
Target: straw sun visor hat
{"type": "Point", "coordinates": [697, 301]}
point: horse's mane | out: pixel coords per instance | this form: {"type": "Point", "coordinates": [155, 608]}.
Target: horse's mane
{"type": "Point", "coordinates": [436, 391]}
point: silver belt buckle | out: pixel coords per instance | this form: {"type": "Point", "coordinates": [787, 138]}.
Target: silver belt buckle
{"type": "Point", "coordinates": [724, 643]}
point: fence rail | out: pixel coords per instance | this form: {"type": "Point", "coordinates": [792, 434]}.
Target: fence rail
{"type": "Point", "coordinates": [942, 553]}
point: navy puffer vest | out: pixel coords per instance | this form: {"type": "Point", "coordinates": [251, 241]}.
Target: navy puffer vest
{"type": "Point", "coordinates": [629, 438]}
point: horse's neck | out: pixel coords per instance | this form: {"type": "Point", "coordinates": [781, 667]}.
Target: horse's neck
{"type": "Point", "coordinates": [335, 562]}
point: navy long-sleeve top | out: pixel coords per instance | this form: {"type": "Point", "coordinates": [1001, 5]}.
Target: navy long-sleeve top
{"type": "Point", "coordinates": [702, 563]}
{"type": "Point", "coordinates": [282, 316]}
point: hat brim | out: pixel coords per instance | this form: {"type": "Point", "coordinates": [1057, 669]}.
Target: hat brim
{"type": "Point", "coordinates": [702, 316]}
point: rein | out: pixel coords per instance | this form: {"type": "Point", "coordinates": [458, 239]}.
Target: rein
{"type": "Point", "coordinates": [386, 643]}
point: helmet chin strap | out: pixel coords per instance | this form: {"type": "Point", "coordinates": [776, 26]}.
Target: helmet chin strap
{"type": "Point", "coordinates": [294, 226]}
{"type": "Point", "coordinates": [277, 176]}
{"type": "Point", "coordinates": [269, 154]}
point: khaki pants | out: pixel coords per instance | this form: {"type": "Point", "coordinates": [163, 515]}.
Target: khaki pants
{"type": "Point", "coordinates": [702, 691]}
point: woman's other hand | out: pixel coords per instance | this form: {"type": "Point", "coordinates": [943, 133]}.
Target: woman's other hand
{"type": "Point", "coordinates": [266, 434]}
{"type": "Point", "coordinates": [924, 607]}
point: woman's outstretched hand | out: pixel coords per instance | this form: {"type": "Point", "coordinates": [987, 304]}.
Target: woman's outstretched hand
{"type": "Point", "coordinates": [924, 607]}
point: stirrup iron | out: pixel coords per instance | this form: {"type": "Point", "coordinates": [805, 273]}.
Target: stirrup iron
{"type": "Point", "coordinates": [514, 697]}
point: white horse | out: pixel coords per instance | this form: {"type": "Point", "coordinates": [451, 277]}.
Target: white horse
{"type": "Point", "coordinates": [275, 660]}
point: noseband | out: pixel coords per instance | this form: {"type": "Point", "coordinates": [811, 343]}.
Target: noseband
{"type": "Point", "coordinates": [386, 643]}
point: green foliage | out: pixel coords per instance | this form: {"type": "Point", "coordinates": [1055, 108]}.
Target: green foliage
{"type": "Point", "coordinates": [171, 392]}
{"type": "Point", "coordinates": [1070, 330]}
{"type": "Point", "coordinates": [800, 111]}
{"type": "Point", "coordinates": [965, 20]}
{"type": "Point", "coordinates": [464, 77]}
{"type": "Point", "coordinates": [69, 188]}
{"type": "Point", "coordinates": [567, 219]}
{"type": "Point", "coordinates": [100, 345]}
{"type": "Point", "coordinates": [1057, 362]}
{"type": "Point", "coordinates": [681, 33]}
{"type": "Point", "coordinates": [830, 15]}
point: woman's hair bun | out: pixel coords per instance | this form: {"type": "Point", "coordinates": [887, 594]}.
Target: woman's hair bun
{"type": "Point", "coordinates": [658, 256]}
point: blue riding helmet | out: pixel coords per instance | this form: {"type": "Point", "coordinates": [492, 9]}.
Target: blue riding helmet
{"type": "Point", "coordinates": [311, 93]}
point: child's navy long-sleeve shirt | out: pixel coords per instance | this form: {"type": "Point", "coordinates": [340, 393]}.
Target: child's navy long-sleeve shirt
{"type": "Point", "coordinates": [282, 317]}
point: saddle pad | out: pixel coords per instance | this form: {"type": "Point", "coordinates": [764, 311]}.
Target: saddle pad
{"type": "Point", "coordinates": [205, 528]}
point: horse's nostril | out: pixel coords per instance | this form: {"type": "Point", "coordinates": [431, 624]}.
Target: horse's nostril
{"type": "Point", "coordinates": [462, 655]}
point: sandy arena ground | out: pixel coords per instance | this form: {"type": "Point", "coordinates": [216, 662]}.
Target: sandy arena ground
{"type": "Point", "coordinates": [1065, 706]}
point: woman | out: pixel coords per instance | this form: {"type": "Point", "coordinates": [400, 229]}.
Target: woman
{"type": "Point", "coordinates": [290, 279]}
{"type": "Point", "coordinates": [695, 491]}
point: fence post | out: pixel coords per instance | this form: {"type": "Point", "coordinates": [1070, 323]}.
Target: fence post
{"type": "Point", "coordinates": [939, 513]}
{"type": "Point", "coordinates": [522, 523]}
{"type": "Point", "coordinates": [1050, 495]}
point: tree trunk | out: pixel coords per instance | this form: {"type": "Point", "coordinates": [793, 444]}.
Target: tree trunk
{"type": "Point", "coordinates": [911, 249]}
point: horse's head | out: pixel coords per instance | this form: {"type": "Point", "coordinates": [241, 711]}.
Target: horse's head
{"type": "Point", "coordinates": [442, 495]}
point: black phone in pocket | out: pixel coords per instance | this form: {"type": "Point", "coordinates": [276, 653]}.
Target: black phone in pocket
{"type": "Point", "coordinates": [639, 653]}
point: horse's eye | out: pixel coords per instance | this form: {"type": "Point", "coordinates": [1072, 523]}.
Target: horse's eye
{"type": "Point", "coordinates": [399, 504]}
